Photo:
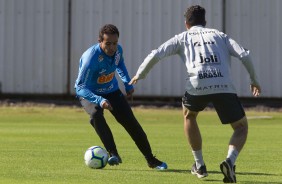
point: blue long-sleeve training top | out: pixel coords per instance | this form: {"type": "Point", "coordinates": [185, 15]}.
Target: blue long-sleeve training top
{"type": "Point", "coordinates": [96, 74]}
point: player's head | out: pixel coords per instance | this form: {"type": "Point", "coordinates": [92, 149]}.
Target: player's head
{"type": "Point", "coordinates": [108, 39]}
{"type": "Point", "coordinates": [195, 15]}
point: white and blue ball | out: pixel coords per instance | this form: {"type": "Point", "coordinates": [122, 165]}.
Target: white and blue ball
{"type": "Point", "coordinates": [96, 157]}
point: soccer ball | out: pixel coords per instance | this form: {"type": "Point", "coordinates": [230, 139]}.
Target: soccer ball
{"type": "Point", "coordinates": [96, 157]}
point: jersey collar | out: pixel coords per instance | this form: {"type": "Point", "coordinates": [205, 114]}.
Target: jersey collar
{"type": "Point", "coordinates": [196, 27]}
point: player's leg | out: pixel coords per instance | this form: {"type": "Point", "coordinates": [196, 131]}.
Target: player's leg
{"type": "Point", "coordinates": [191, 107]}
{"type": "Point", "coordinates": [124, 115]}
{"type": "Point", "coordinates": [230, 111]}
{"type": "Point", "coordinates": [240, 134]}
{"type": "Point", "coordinates": [98, 122]}
{"type": "Point", "coordinates": [236, 144]}
{"type": "Point", "coordinates": [191, 129]}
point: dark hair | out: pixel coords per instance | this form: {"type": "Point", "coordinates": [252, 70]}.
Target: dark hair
{"type": "Point", "coordinates": [195, 15]}
{"type": "Point", "coordinates": [108, 29]}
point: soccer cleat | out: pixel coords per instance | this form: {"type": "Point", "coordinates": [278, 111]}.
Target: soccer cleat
{"type": "Point", "coordinates": [201, 172]}
{"type": "Point", "coordinates": [154, 163]}
{"type": "Point", "coordinates": [228, 171]}
{"type": "Point", "coordinates": [114, 160]}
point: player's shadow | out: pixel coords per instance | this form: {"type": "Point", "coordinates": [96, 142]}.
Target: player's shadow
{"type": "Point", "coordinates": [218, 172]}
{"type": "Point", "coordinates": [177, 171]}
{"type": "Point", "coordinates": [248, 173]}
{"type": "Point", "coordinates": [182, 171]}
{"type": "Point", "coordinates": [237, 173]}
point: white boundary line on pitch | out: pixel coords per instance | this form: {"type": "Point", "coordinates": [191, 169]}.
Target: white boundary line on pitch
{"type": "Point", "coordinates": [259, 117]}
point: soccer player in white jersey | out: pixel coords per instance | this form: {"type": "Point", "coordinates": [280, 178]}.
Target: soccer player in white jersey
{"type": "Point", "coordinates": [206, 53]}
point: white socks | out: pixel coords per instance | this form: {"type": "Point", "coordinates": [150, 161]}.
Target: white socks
{"type": "Point", "coordinates": [198, 157]}
{"type": "Point", "coordinates": [232, 154]}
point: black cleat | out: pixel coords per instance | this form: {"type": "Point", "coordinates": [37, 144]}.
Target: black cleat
{"type": "Point", "coordinates": [201, 172]}
{"type": "Point", "coordinates": [154, 163]}
{"type": "Point", "coordinates": [228, 171]}
{"type": "Point", "coordinates": [114, 160]}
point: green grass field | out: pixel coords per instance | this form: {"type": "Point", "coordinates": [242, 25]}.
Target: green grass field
{"type": "Point", "coordinates": [47, 145]}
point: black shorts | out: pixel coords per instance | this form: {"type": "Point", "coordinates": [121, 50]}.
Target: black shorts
{"type": "Point", "coordinates": [227, 105]}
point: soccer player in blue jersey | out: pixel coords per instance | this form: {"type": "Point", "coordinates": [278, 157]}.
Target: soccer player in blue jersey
{"type": "Point", "coordinates": [97, 89]}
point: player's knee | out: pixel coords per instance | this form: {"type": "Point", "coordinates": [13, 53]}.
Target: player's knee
{"type": "Point", "coordinates": [189, 114]}
{"type": "Point", "coordinates": [241, 126]}
{"type": "Point", "coordinates": [95, 117]}
{"type": "Point", "coordinates": [242, 129]}
{"type": "Point", "coordinates": [92, 121]}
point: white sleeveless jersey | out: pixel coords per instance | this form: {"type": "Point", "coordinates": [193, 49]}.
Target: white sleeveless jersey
{"type": "Point", "coordinates": [206, 54]}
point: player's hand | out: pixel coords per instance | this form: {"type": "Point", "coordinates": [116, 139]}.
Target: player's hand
{"type": "Point", "coordinates": [130, 92]}
{"type": "Point", "coordinates": [133, 80]}
{"type": "Point", "coordinates": [255, 90]}
{"type": "Point", "coordinates": [106, 105]}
